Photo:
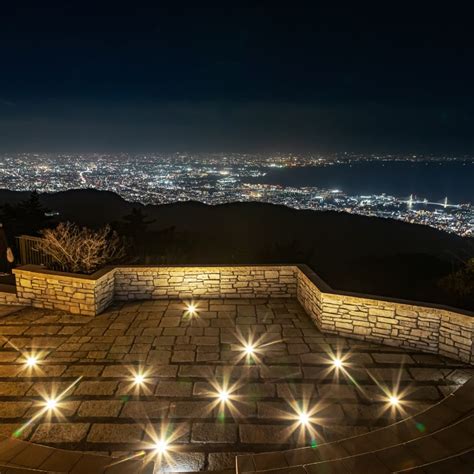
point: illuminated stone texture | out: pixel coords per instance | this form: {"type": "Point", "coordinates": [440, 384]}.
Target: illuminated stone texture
{"type": "Point", "coordinates": [106, 412]}
{"type": "Point", "coordinates": [395, 323]}
{"type": "Point", "coordinates": [391, 322]}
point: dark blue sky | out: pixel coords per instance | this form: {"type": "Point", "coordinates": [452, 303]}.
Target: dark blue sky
{"type": "Point", "coordinates": [121, 77]}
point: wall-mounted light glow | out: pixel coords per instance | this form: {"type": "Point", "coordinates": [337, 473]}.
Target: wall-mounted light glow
{"type": "Point", "coordinates": [191, 308]}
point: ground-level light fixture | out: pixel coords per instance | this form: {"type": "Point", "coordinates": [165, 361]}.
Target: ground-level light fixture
{"type": "Point", "coordinates": [337, 363]}
{"type": "Point", "coordinates": [249, 349]}
{"type": "Point", "coordinates": [31, 361]}
{"type": "Point", "coordinates": [51, 403]}
{"type": "Point", "coordinates": [394, 400]}
{"type": "Point", "coordinates": [139, 379]}
{"type": "Point", "coordinates": [223, 396]}
{"type": "Point", "coordinates": [161, 446]}
{"type": "Point", "coordinates": [304, 418]}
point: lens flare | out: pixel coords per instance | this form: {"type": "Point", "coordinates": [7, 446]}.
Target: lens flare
{"type": "Point", "coordinates": [337, 363]}
{"type": "Point", "coordinates": [139, 379]}
{"type": "Point", "coordinates": [223, 396]}
{"type": "Point", "coordinates": [249, 349]}
{"type": "Point", "coordinates": [394, 400]}
{"type": "Point", "coordinates": [161, 446]}
{"type": "Point", "coordinates": [304, 418]}
{"type": "Point", "coordinates": [31, 361]}
{"type": "Point", "coordinates": [51, 403]}
{"type": "Point", "coordinates": [192, 308]}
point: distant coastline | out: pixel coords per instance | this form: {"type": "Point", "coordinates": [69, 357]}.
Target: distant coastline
{"type": "Point", "coordinates": [424, 190]}
{"type": "Point", "coordinates": [433, 180]}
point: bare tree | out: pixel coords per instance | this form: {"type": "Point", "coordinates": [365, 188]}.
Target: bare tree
{"type": "Point", "coordinates": [79, 249]}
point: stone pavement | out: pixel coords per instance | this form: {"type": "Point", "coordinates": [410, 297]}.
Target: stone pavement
{"type": "Point", "coordinates": [190, 363]}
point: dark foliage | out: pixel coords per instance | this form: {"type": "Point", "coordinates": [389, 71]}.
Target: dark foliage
{"type": "Point", "coordinates": [352, 253]}
{"type": "Point", "coordinates": [460, 284]}
{"type": "Point", "coordinates": [27, 216]}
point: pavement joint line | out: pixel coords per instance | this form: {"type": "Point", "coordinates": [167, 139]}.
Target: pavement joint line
{"type": "Point", "coordinates": [354, 412]}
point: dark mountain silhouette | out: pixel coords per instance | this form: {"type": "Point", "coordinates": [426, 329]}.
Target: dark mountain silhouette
{"type": "Point", "coordinates": [352, 253]}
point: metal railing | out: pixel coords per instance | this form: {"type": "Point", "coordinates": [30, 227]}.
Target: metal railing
{"type": "Point", "coordinates": [29, 252]}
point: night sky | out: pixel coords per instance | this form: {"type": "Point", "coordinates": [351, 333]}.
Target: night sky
{"type": "Point", "coordinates": [123, 78]}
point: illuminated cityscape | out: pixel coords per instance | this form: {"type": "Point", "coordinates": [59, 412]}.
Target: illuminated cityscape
{"type": "Point", "coordinates": [221, 178]}
{"type": "Point", "coordinates": [236, 238]}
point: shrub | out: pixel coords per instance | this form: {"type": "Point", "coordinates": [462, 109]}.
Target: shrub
{"type": "Point", "coordinates": [461, 282]}
{"type": "Point", "coordinates": [79, 249]}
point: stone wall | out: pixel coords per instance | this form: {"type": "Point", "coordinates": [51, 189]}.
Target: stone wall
{"type": "Point", "coordinates": [137, 283]}
{"type": "Point", "coordinates": [104, 291]}
{"type": "Point", "coordinates": [395, 323]}
{"type": "Point", "coordinates": [77, 294]}
{"type": "Point", "coordinates": [8, 295]}
{"type": "Point", "coordinates": [90, 295]}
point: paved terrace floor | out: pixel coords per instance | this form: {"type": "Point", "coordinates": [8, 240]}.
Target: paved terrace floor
{"type": "Point", "coordinates": [187, 361]}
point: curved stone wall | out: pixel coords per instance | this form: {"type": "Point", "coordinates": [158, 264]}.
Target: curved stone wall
{"type": "Point", "coordinates": [393, 322]}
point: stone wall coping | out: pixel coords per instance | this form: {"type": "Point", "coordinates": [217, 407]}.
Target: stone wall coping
{"type": "Point", "coordinates": [41, 271]}
{"type": "Point", "coordinates": [210, 265]}
{"type": "Point", "coordinates": [320, 284]}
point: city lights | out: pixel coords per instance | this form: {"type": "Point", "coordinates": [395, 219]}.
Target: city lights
{"type": "Point", "coordinates": [176, 179]}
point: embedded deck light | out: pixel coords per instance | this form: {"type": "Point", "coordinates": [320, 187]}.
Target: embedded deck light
{"type": "Point", "coordinates": [161, 446]}
{"type": "Point", "coordinates": [139, 379]}
{"type": "Point", "coordinates": [337, 363]}
{"type": "Point", "coordinates": [394, 400]}
{"type": "Point", "coordinates": [31, 361]}
{"type": "Point", "coordinates": [223, 396]}
{"type": "Point", "coordinates": [249, 349]}
{"type": "Point", "coordinates": [51, 403]}
{"type": "Point", "coordinates": [304, 418]}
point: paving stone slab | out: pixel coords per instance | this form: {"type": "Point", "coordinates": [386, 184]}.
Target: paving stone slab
{"type": "Point", "coordinates": [60, 432]}
{"type": "Point", "coordinates": [115, 433]}
{"type": "Point", "coordinates": [186, 361]}
{"type": "Point", "coordinates": [100, 408]}
{"type": "Point", "coordinates": [214, 433]}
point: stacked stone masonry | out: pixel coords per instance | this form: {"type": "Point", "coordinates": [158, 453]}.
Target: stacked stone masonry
{"type": "Point", "coordinates": [395, 323]}
{"type": "Point", "coordinates": [410, 326]}
{"type": "Point", "coordinates": [75, 294]}
{"type": "Point", "coordinates": [205, 282]}
{"type": "Point", "coordinates": [7, 297]}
